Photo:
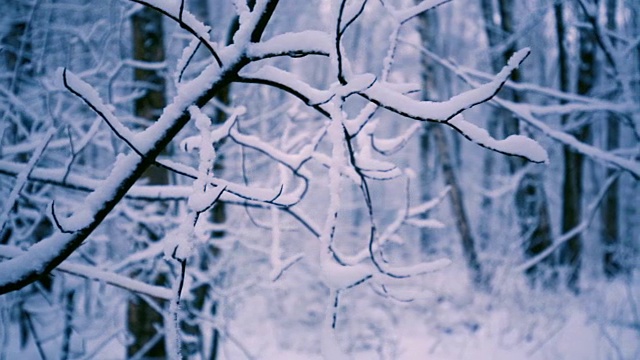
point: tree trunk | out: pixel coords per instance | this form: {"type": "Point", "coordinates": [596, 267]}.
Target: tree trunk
{"type": "Point", "coordinates": [427, 27]}
{"type": "Point", "coordinates": [428, 32]}
{"type": "Point", "coordinates": [530, 199]}
{"type": "Point", "coordinates": [609, 211]}
{"type": "Point", "coordinates": [571, 251]}
{"type": "Point", "coordinates": [459, 211]}
{"type": "Point", "coordinates": [148, 46]}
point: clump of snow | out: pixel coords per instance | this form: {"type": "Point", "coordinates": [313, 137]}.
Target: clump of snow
{"type": "Point", "coordinates": [513, 145]}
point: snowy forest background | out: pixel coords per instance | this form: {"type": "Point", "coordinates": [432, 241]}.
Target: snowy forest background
{"type": "Point", "coordinates": [268, 179]}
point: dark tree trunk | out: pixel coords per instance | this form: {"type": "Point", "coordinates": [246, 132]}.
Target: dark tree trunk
{"type": "Point", "coordinates": [428, 31]}
{"type": "Point", "coordinates": [427, 27]}
{"type": "Point", "coordinates": [610, 236]}
{"type": "Point", "coordinates": [571, 251]}
{"type": "Point", "coordinates": [148, 45]}
{"type": "Point", "coordinates": [530, 199]}
{"type": "Point", "coordinates": [459, 211]}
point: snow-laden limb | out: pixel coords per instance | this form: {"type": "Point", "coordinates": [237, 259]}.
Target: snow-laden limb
{"type": "Point", "coordinates": [252, 193]}
{"type": "Point", "coordinates": [405, 215]}
{"type": "Point", "coordinates": [22, 178]}
{"type": "Point", "coordinates": [356, 84]}
{"type": "Point", "coordinates": [523, 112]}
{"type": "Point", "coordinates": [91, 272]}
{"type": "Point", "coordinates": [356, 124]}
{"type": "Point", "coordinates": [278, 265]}
{"type": "Point", "coordinates": [406, 14]}
{"type": "Point", "coordinates": [287, 81]}
{"type": "Point", "coordinates": [180, 243]}
{"type": "Point", "coordinates": [520, 110]}
{"type": "Point", "coordinates": [217, 134]}
{"type": "Point", "coordinates": [413, 270]}
{"type": "Point", "coordinates": [284, 266]}
{"type": "Point", "coordinates": [429, 205]}
{"type": "Point", "coordinates": [48, 253]}
{"type": "Point", "coordinates": [136, 192]}
{"type": "Point", "coordinates": [291, 161]}
{"type": "Point", "coordinates": [337, 165]}
{"type": "Point", "coordinates": [565, 109]}
{"type": "Point", "coordinates": [183, 61]}
{"type": "Point", "coordinates": [90, 96]}
{"type": "Point", "coordinates": [425, 223]}
{"type": "Point", "coordinates": [588, 102]}
{"type": "Point", "coordinates": [364, 160]}
{"type": "Point", "coordinates": [329, 347]}
{"type": "Point", "coordinates": [150, 252]}
{"type": "Point", "coordinates": [443, 111]}
{"type": "Point", "coordinates": [253, 22]}
{"type": "Point", "coordinates": [376, 244]}
{"type": "Point", "coordinates": [275, 254]}
{"type": "Point", "coordinates": [350, 12]}
{"type": "Point", "coordinates": [392, 145]}
{"type": "Point", "coordinates": [59, 177]}
{"type": "Point", "coordinates": [294, 44]}
{"type": "Point", "coordinates": [518, 145]}
{"type": "Point", "coordinates": [338, 276]}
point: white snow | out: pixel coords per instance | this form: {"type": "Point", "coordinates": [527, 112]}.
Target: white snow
{"type": "Point", "coordinates": [514, 144]}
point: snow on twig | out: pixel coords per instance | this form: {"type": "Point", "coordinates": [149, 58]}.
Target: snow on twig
{"type": "Point", "coordinates": [308, 42]}
{"type": "Point", "coordinates": [523, 112]}
{"type": "Point", "coordinates": [443, 111]}
{"type": "Point", "coordinates": [91, 272]}
{"type": "Point", "coordinates": [518, 145]}
{"type": "Point", "coordinates": [406, 14]}
{"type": "Point", "coordinates": [23, 176]}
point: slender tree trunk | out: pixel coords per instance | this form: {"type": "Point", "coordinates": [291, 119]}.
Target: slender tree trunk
{"type": "Point", "coordinates": [428, 31]}
{"type": "Point", "coordinates": [463, 226]}
{"type": "Point", "coordinates": [68, 325]}
{"type": "Point", "coordinates": [489, 169]}
{"type": "Point", "coordinates": [530, 198]}
{"type": "Point", "coordinates": [147, 44]}
{"type": "Point", "coordinates": [609, 211]}
{"type": "Point", "coordinates": [428, 28]}
{"type": "Point", "coordinates": [571, 251]}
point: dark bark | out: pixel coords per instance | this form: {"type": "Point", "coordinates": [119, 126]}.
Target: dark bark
{"type": "Point", "coordinates": [69, 241]}
{"type": "Point", "coordinates": [68, 325]}
{"type": "Point", "coordinates": [570, 253]}
{"type": "Point", "coordinates": [435, 132]}
{"type": "Point", "coordinates": [148, 45]}
{"type": "Point", "coordinates": [428, 27]}
{"type": "Point", "coordinates": [609, 212]}
{"type": "Point", "coordinates": [459, 210]}
{"type": "Point", "coordinates": [530, 198]}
